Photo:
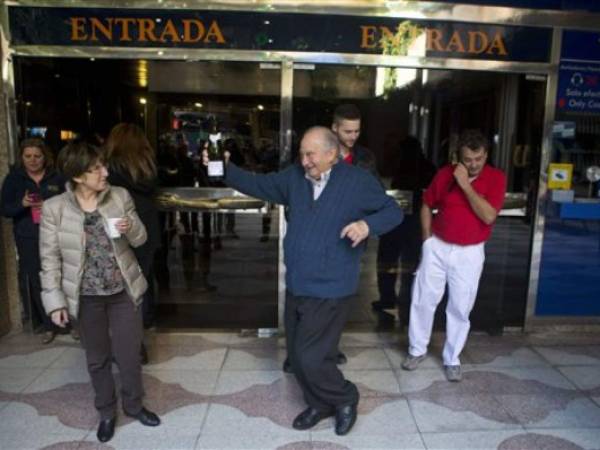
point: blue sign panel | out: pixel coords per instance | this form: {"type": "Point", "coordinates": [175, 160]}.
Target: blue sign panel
{"type": "Point", "coordinates": [579, 87]}
{"type": "Point", "coordinates": [101, 27]}
{"type": "Point", "coordinates": [579, 73]}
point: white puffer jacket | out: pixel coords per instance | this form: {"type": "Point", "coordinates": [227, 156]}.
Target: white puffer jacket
{"type": "Point", "coordinates": [62, 247]}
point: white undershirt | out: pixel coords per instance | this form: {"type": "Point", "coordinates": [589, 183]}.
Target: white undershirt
{"type": "Point", "coordinates": [318, 185]}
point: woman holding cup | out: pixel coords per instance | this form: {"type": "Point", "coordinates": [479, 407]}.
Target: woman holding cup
{"type": "Point", "coordinates": [89, 272]}
{"type": "Point", "coordinates": [31, 181]}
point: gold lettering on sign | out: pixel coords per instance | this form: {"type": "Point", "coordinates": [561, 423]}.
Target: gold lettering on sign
{"type": "Point", "coordinates": [478, 42]}
{"type": "Point", "coordinates": [455, 44]}
{"type": "Point", "coordinates": [97, 25]}
{"type": "Point", "coordinates": [124, 23]}
{"type": "Point", "coordinates": [77, 29]}
{"type": "Point", "coordinates": [437, 40]}
{"type": "Point", "coordinates": [145, 29]}
{"type": "Point", "coordinates": [497, 43]}
{"type": "Point", "coordinates": [199, 29]}
{"type": "Point", "coordinates": [170, 31]}
{"type": "Point", "coordinates": [368, 33]}
{"type": "Point", "coordinates": [214, 32]}
{"type": "Point", "coordinates": [434, 38]}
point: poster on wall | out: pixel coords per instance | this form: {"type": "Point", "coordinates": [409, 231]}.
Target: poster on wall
{"type": "Point", "coordinates": [560, 176]}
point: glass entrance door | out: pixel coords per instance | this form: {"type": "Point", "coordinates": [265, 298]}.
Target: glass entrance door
{"type": "Point", "coordinates": [218, 263]}
{"type": "Point", "coordinates": [411, 119]}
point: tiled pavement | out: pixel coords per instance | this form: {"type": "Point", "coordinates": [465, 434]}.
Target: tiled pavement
{"type": "Point", "coordinates": [219, 390]}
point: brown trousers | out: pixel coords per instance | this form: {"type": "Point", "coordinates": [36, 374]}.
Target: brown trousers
{"type": "Point", "coordinates": [111, 326]}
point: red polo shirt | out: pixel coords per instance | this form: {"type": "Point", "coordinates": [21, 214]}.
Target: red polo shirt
{"type": "Point", "coordinates": [455, 221]}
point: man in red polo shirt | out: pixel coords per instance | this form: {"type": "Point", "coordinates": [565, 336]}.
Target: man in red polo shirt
{"type": "Point", "coordinates": [468, 197]}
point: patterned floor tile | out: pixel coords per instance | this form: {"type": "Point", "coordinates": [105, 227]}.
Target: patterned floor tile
{"type": "Point", "coordinates": [446, 413]}
{"type": "Point", "coordinates": [231, 381]}
{"type": "Point", "coordinates": [198, 381]}
{"type": "Point", "coordinates": [549, 411]}
{"type": "Point", "coordinates": [571, 355]}
{"type": "Point", "coordinates": [475, 440]}
{"type": "Point", "coordinates": [15, 380]}
{"type": "Point", "coordinates": [366, 358]}
{"type": "Point", "coordinates": [566, 438]}
{"type": "Point", "coordinates": [502, 356]}
{"type": "Point", "coordinates": [521, 380]}
{"type": "Point", "coordinates": [30, 357]}
{"type": "Point", "coordinates": [186, 358]}
{"type": "Point", "coordinates": [362, 339]}
{"type": "Point", "coordinates": [374, 382]}
{"type": "Point", "coordinates": [417, 380]}
{"type": "Point", "coordinates": [397, 356]}
{"type": "Point", "coordinates": [70, 358]}
{"type": "Point", "coordinates": [233, 425]}
{"type": "Point", "coordinates": [584, 377]}
{"type": "Point", "coordinates": [18, 433]}
{"type": "Point", "coordinates": [255, 359]}
{"type": "Point", "coordinates": [56, 378]}
{"type": "Point", "coordinates": [296, 440]}
{"type": "Point", "coordinates": [362, 441]}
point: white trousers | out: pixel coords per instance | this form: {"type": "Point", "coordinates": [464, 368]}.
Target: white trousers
{"type": "Point", "coordinates": [460, 267]}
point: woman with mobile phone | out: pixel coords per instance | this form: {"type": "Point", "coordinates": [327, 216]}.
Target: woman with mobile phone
{"type": "Point", "coordinates": [31, 181]}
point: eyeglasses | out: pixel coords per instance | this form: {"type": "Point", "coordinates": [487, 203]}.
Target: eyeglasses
{"type": "Point", "coordinates": [97, 168]}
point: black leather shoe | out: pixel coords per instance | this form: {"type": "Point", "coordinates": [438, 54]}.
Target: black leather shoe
{"type": "Point", "coordinates": [309, 418]}
{"type": "Point", "coordinates": [287, 366]}
{"type": "Point", "coordinates": [106, 429]}
{"type": "Point", "coordinates": [341, 358]}
{"type": "Point", "coordinates": [345, 417]}
{"type": "Point", "coordinates": [146, 417]}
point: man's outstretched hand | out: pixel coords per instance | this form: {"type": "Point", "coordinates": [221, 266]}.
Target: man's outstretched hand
{"type": "Point", "coordinates": [356, 232]}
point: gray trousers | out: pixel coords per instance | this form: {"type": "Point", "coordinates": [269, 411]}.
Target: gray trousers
{"type": "Point", "coordinates": [111, 326]}
{"type": "Point", "coordinates": [313, 328]}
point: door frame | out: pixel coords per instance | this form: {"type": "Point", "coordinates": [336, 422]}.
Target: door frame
{"type": "Point", "coordinates": [422, 10]}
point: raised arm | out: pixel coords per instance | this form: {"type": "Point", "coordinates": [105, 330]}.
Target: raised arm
{"type": "Point", "coordinates": [272, 187]}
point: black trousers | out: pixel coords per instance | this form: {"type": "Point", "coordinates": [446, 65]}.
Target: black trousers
{"type": "Point", "coordinates": [145, 258]}
{"type": "Point", "coordinates": [29, 282]}
{"type": "Point", "coordinates": [313, 330]}
{"type": "Point", "coordinates": [110, 325]}
{"type": "Point", "coordinates": [398, 253]}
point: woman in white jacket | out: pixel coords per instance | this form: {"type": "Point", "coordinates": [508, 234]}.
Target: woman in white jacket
{"type": "Point", "coordinates": [95, 279]}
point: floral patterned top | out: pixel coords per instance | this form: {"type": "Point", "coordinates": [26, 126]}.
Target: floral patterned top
{"type": "Point", "coordinates": [101, 273]}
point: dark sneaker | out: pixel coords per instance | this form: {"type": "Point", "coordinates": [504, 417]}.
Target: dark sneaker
{"type": "Point", "coordinates": [453, 373]}
{"type": "Point", "coordinates": [412, 362]}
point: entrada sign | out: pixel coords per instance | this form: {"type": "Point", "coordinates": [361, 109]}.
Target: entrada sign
{"type": "Point", "coordinates": [267, 31]}
{"type": "Point", "coordinates": [438, 40]}
{"type": "Point", "coordinates": [144, 29]}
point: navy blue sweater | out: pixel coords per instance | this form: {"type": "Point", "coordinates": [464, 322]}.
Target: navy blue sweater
{"type": "Point", "coordinates": [318, 262]}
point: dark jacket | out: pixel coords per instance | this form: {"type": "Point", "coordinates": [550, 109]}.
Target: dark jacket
{"type": "Point", "coordinates": [365, 159]}
{"type": "Point", "coordinates": [318, 262]}
{"type": "Point", "coordinates": [16, 183]}
{"type": "Point", "coordinates": [143, 193]}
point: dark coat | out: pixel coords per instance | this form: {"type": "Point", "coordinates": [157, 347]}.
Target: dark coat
{"type": "Point", "coordinates": [143, 193]}
{"type": "Point", "coordinates": [16, 183]}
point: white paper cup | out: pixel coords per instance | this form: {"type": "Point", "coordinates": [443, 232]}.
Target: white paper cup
{"type": "Point", "coordinates": [111, 228]}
